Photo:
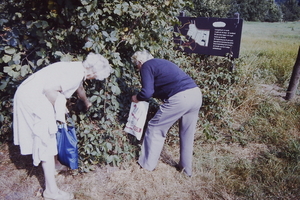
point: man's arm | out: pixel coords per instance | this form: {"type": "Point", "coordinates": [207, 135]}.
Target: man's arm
{"type": "Point", "coordinates": [147, 81]}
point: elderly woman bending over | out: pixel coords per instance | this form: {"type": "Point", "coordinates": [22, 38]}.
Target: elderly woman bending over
{"type": "Point", "coordinates": [40, 101]}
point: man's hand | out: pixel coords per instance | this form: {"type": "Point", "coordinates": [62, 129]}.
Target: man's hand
{"type": "Point", "coordinates": [134, 99]}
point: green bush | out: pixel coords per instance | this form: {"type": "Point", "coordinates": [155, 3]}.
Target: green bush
{"type": "Point", "coordinates": [66, 30]}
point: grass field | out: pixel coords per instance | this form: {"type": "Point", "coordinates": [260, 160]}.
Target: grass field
{"type": "Point", "coordinates": [270, 50]}
{"type": "Point", "coordinates": [256, 157]}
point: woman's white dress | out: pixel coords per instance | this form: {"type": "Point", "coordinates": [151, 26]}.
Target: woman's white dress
{"type": "Point", "coordinates": [34, 116]}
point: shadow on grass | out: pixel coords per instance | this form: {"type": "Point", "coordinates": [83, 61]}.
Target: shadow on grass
{"type": "Point", "coordinates": [25, 162]}
{"type": "Point", "coordinates": [166, 158]}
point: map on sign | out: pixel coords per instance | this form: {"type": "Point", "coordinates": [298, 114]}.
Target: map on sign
{"type": "Point", "coordinates": [210, 36]}
{"type": "Point", "coordinates": [201, 36]}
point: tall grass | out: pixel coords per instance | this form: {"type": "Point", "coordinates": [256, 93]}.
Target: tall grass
{"type": "Point", "coordinates": [264, 118]}
{"type": "Point", "coordinates": [269, 50]}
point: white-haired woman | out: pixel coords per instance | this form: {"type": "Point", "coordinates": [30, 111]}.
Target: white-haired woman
{"type": "Point", "coordinates": [182, 100]}
{"type": "Point", "coordinates": [40, 101]}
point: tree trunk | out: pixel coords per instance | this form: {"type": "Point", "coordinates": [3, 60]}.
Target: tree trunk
{"type": "Point", "coordinates": [294, 82]}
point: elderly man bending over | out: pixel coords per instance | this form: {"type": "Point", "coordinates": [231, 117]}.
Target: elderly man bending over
{"type": "Point", "coordinates": [182, 100]}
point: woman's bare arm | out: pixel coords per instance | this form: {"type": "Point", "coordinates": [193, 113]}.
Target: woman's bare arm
{"type": "Point", "coordinates": [82, 95]}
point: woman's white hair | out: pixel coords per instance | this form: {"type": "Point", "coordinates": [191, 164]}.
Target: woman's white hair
{"type": "Point", "coordinates": [141, 57]}
{"type": "Point", "coordinates": [98, 64]}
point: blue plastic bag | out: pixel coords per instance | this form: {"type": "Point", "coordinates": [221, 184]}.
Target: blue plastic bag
{"type": "Point", "coordinates": [67, 146]}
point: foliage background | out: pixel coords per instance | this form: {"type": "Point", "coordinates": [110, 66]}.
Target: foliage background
{"type": "Point", "coordinates": [65, 30]}
{"type": "Point", "coordinates": [257, 159]}
{"type": "Point", "coordinates": [247, 144]}
{"type": "Point", "coordinates": [36, 33]}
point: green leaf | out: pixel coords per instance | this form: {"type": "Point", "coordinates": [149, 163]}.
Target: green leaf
{"type": "Point", "coordinates": [85, 2]}
{"type": "Point", "coordinates": [1, 118]}
{"type": "Point", "coordinates": [125, 6]}
{"type": "Point", "coordinates": [45, 24]}
{"type": "Point", "coordinates": [17, 58]}
{"type": "Point", "coordinates": [17, 67]}
{"type": "Point", "coordinates": [83, 23]}
{"type": "Point", "coordinates": [3, 84]}
{"type": "Point", "coordinates": [29, 24]}
{"type": "Point", "coordinates": [66, 58]}
{"type": "Point", "coordinates": [58, 53]}
{"type": "Point", "coordinates": [98, 100]}
{"type": "Point", "coordinates": [7, 69]}
{"type": "Point", "coordinates": [91, 136]}
{"type": "Point", "coordinates": [59, 37]}
{"type": "Point", "coordinates": [10, 50]}
{"type": "Point", "coordinates": [49, 44]}
{"type": "Point", "coordinates": [88, 8]}
{"type": "Point", "coordinates": [116, 90]}
{"type": "Point", "coordinates": [31, 64]}
{"type": "Point", "coordinates": [25, 70]}
{"type": "Point", "coordinates": [109, 159]}
{"type": "Point", "coordinates": [104, 33]}
{"type": "Point", "coordinates": [109, 146]}
{"type": "Point", "coordinates": [40, 62]}
{"type": "Point", "coordinates": [118, 10]}
{"type": "Point", "coordinates": [106, 10]}
{"type": "Point", "coordinates": [117, 72]}
{"type": "Point", "coordinates": [6, 58]}
{"type": "Point", "coordinates": [38, 24]}
{"type": "Point", "coordinates": [88, 44]}
{"type": "Point", "coordinates": [93, 98]}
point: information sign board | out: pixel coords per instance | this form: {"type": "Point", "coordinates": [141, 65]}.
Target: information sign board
{"type": "Point", "coordinates": [210, 36]}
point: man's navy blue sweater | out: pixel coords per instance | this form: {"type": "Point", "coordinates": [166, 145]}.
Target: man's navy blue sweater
{"type": "Point", "coordinates": [162, 79]}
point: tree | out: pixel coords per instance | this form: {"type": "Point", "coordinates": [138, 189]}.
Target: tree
{"type": "Point", "coordinates": [256, 10]}
{"type": "Point", "coordinates": [210, 8]}
{"type": "Point", "coordinates": [291, 10]}
{"type": "Point", "coordinates": [274, 13]}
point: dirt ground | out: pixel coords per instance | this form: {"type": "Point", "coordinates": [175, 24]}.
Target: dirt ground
{"type": "Point", "coordinates": [19, 179]}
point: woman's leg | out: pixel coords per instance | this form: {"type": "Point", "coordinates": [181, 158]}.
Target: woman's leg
{"type": "Point", "coordinates": [51, 190]}
{"type": "Point", "coordinates": [49, 173]}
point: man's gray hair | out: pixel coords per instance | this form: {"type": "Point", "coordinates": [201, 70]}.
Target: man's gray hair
{"type": "Point", "coordinates": [98, 64]}
{"type": "Point", "coordinates": [141, 56]}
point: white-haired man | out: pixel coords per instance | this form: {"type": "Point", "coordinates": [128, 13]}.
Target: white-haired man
{"type": "Point", "coordinates": [182, 99]}
{"type": "Point", "coordinates": [40, 101]}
